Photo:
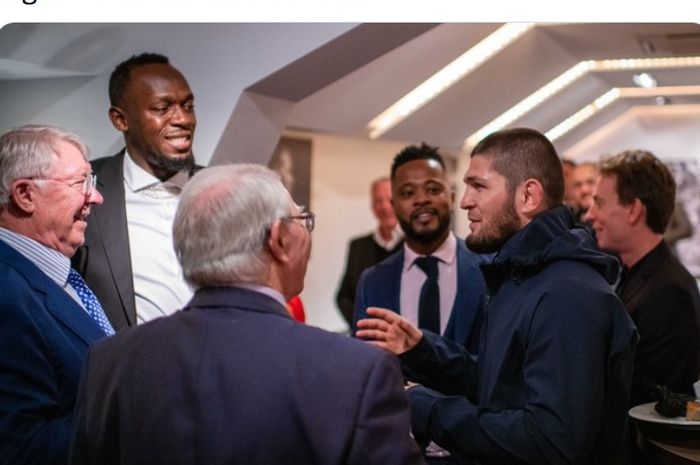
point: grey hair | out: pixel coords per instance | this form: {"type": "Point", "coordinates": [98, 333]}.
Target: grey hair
{"type": "Point", "coordinates": [223, 221]}
{"type": "Point", "coordinates": [28, 151]}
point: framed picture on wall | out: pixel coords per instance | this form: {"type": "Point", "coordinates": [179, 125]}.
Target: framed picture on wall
{"type": "Point", "coordinates": [292, 160]}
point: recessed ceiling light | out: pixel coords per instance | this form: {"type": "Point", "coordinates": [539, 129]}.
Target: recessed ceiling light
{"type": "Point", "coordinates": [609, 97]}
{"type": "Point", "coordinates": [453, 72]}
{"type": "Point", "coordinates": [567, 78]}
{"type": "Point", "coordinates": [645, 80]}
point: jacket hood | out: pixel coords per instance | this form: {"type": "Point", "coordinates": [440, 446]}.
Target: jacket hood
{"type": "Point", "coordinates": [551, 237]}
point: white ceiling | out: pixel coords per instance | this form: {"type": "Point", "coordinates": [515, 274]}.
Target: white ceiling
{"type": "Point", "coordinates": [349, 78]}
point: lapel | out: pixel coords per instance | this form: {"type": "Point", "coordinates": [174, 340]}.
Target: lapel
{"type": "Point", "coordinates": [394, 270]}
{"type": "Point", "coordinates": [460, 319]}
{"type": "Point", "coordinates": [56, 301]}
{"type": "Point", "coordinates": [110, 220]}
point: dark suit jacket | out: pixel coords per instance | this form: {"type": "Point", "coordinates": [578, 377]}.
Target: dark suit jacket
{"type": "Point", "coordinates": [105, 259]}
{"type": "Point", "coordinates": [232, 379]}
{"type": "Point", "coordinates": [363, 252]}
{"type": "Point", "coordinates": [662, 299]}
{"type": "Point", "coordinates": [380, 286]}
{"type": "Point", "coordinates": [44, 336]}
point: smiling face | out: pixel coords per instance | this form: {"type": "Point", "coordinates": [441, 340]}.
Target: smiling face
{"type": "Point", "coordinates": [156, 115]}
{"type": "Point", "coordinates": [60, 215]}
{"type": "Point", "coordinates": [609, 217]}
{"type": "Point", "coordinates": [423, 204]}
{"type": "Point", "coordinates": [489, 205]}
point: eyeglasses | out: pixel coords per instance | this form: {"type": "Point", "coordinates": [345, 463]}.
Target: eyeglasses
{"type": "Point", "coordinates": [308, 217]}
{"type": "Point", "coordinates": [85, 186]}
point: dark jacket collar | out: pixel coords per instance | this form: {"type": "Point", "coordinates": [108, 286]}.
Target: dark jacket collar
{"type": "Point", "coordinates": [550, 237]}
{"type": "Point", "coordinates": [236, 297]}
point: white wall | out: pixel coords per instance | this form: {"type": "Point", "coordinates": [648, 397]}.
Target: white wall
{"type": "Point", "coordinates": [341, 172]}
{"type": "Point", "coordinates": [218, 60]}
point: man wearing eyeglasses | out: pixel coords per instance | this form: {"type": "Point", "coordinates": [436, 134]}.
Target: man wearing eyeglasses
{"type": "Point", "coordinates": [245, 383]}
{"type": "Point", "coordinates": [128, 258]}
{"type": "Point", "coordinates": [48, 316]}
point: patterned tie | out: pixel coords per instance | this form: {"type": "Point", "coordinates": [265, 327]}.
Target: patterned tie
{"type": "Point", "coordinates": [429, 304]}
{"type": "Point", "coordinates": [92, 305]}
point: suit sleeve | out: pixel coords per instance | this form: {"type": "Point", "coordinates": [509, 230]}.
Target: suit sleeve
{"type": "Point", "coordinates": [34, 428]}
{"type": "Point", "coordinates": [558, 420]}
{"type": "Point", "coordinates": [382, 433]}
{"type": "Point", "coordinates": [441, 364]}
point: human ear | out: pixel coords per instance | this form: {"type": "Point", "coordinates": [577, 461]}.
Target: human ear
{"type": "Point", "coordinates": [23, 195]}
{"type": "Point", "coordinates": [277, 243]}
{"type": "Point", "coordinates": [531, 196]}
{"type": "Point", "coordinates": [637, 212]}
{"type": "Point", "coordinates": [118, 119]}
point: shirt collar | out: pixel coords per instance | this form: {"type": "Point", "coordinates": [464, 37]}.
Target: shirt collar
{"type": "Point", "coordinates": [51, 262]}
{"type": "Point", "coordinates": [137, 178]}
{"type": "Point", "coordinates": [446, 253]}
{"type": "Point", "coordinates": [396, 237]}
{"type": "Point", "coordinates": [266, 290]}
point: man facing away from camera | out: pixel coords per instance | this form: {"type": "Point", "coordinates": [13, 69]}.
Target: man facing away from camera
{"type": "Point", "coordinates": [232, 378]}
{"type": "Point", "coordinates": [552, 380]}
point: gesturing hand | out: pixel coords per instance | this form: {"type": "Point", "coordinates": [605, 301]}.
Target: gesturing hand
{"type": "Point", "coordinates": [388, 330]}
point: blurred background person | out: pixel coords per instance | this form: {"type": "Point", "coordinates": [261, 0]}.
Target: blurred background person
{"type": "Point", "coordinates": [48, 316]}
{"type": "Point", "coordinates": [365, 251]}
{"type": "Point", "coordinates": [245, 383]}
{"type": "Point", "coordinates": [583, 180]}
{"type": "Point", "coordinates": [568, 167]}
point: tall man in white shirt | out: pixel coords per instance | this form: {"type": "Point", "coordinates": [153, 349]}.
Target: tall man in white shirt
{"type": "Point", "coordinates": [128, 258]}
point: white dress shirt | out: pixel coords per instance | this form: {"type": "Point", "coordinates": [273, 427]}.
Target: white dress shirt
{"type": "Point", "coordinates": [412, 279]}
{"type": "Point", "coordinates": [396, 237]}
{"type": "Point", "coordinates": [159, 286]}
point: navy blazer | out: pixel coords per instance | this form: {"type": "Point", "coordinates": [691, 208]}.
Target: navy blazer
{"type": "Point", "coordinates": [380, 286]}
{"type": "Point", "coordinates": [44, 336]}
{"type": "Point", "coordinates": [232, 379]}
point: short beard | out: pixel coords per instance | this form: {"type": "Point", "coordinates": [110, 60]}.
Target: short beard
{"type": "Point", "coordinates": [165, 167]}
{"type": "Point", "coordinates": [505, 224]}
{"type": "Point", "coordinates": [425, 237]}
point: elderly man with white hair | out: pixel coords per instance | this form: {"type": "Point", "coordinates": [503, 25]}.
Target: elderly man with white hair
{"type": "Point", "coordinates": [48, 315]}
{"type": "Point", "coordinates": [232, 378]}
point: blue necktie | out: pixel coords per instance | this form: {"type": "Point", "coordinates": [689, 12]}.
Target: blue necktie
{"type": "Point", "coordinates": [429, 303]}
{"type": "Point", "coordinates": [90, 302]}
